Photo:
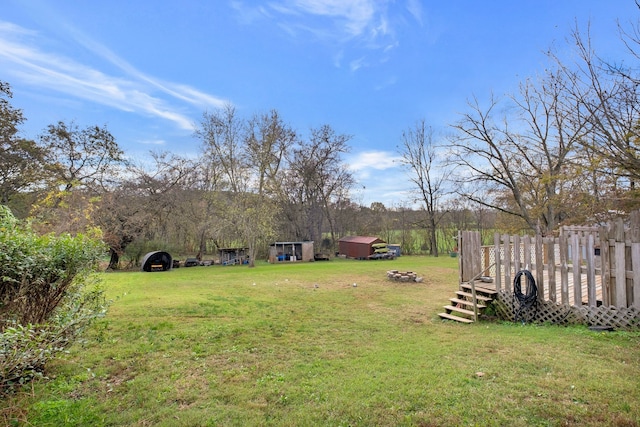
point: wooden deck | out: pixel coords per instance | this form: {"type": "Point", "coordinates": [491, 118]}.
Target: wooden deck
{"type": "Point", "coordinates": [570, 285]}
{"type": "Point", "coordinates": [593, 271]}
{"type": "Point", "coordinates": [558, 287]}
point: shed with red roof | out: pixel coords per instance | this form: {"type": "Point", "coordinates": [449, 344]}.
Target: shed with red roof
{"type": "Point", "coordinates": [360, 247]}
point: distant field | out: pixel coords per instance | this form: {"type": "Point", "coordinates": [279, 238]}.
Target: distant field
{"type": "Point", "coordinates": [326, 344]}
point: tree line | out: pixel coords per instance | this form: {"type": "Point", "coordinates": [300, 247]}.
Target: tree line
{"type": "Point", "coordinates": [562, 149]}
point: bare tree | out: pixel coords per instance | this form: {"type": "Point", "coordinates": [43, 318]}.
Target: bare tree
{"type": "Point", "coordinates": [522, 163]}
{"type": "Point", "coordinates": [429, 176]}
{"type": "Point", "coordinates": [267, 138]}
{"type": "Point", "coordinates": [221, 136]}
{"type": "Point", "coordinates": [200, 205]}
{"type": "Point", "coordinates": [317, 179]}
{"type": "Point", "coordinates": [244, 158]}
{"type": "Point", "coordinates": [607, 95]}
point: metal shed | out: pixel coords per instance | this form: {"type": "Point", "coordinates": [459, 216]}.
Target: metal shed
{"type": "Point", "coordinates": [291, 251]}
{"type": "Point", "coordinates": [359, 247]}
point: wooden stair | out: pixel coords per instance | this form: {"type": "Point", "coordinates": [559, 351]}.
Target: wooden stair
{"type": "Point", "coordinates": [461, 307]}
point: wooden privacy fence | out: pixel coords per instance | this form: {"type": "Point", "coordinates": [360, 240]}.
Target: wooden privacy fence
{"type": "Point", "coordinates": [585, 275]}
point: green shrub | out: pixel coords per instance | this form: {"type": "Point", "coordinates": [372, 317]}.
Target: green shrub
{"type": "Point", "coordinates": [48, 296]}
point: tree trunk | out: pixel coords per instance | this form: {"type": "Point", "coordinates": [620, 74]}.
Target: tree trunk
{"type": "Point", "coordinates": [114, 261]}
{"type": "Point", "coordinates": [252, 254]}
{"type": "Point", "coordinates": [434, 242]}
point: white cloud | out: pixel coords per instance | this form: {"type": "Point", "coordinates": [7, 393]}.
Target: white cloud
{"type": "Point", "coordinates": [134, 91]}
{"type": "Point", "coordinates": [381, 178]}
{"type": "Point", "coordinates": [378, 160]}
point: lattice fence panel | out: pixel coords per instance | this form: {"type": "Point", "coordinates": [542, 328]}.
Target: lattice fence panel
{"type": "Point", "coordinates": [506, 308]}
{"type": "Point", "coordinates": [489, 255]}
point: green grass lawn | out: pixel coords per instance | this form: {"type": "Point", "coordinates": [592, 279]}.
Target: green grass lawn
{"type": "Point", "coordinates": [300, 345]}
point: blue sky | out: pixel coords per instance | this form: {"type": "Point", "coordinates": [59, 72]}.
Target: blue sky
{"type": "Point", "coordinates": [148, 69]}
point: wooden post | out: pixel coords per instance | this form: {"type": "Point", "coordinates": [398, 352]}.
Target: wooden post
{"type": "Point", "coordinates": [470, 256]}
{"type": "Point", "coordinates": [619, 256]}
{"type": "Point", "coordinates": [576, 252]}
{"type": "Point", "coordinates": [506, 244]}
{"type": "Point", "coordinates": [564, 269]}
{"type": "Point", "coordinates": [477, 243]}
{"type": "Point", "coordinates": [516, 254]}
{"type": "Point", "coordinates": [460, 255]}
{"type": "Point", "coordinates": [635, 259]}
{"type": "Point", "coordinates": [591, 272]}
{"type": "Point", "coordinates": [526, 244]}
{"type": "Point", "coordinates": [475, 300]}
{"type": "Point", "coordinates": [605, 263]}
{"type": "Point", "coordinates": [539, 262]}
{"type": "Point", "coordinates": [551, 267]}
{"type": "Point", "coordinates": [498, 260]}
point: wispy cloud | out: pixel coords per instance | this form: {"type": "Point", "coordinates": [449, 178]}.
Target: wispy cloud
{"type": "Point", "coordinates": [132, 91]}
{"type": "Point", "coordinates": [415, 9]}
{"type": "Point", "coordinates": [356, 64]}
{"type": "Point", "coordinates": [249, 15]}
{"type": "Point", "coordinates": [357, 17]}
{"type": "Point", "coordinates": [354, 24]}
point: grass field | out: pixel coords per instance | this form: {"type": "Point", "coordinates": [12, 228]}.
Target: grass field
{"type": "Point", "coordinates": [300, 345]}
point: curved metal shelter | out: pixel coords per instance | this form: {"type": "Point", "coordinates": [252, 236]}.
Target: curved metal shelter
{"type": "Point", "coordinates": [157, 261]}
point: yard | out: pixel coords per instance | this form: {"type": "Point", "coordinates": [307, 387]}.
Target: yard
{"type": "Point", "coordinates": [327, 343]}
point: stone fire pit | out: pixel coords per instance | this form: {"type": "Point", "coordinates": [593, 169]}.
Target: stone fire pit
{"type": "Point", "coordinates": [403, 276]}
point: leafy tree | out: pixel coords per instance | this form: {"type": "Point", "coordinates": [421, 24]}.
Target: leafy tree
{"type": "Point", "coordinates": [377, 220]}
{"type": "Point", "coordinates": [83, 164]}
{"type": "Point", "coordinates": [252, 216]}
{"type": "Point", "coordinates": [143, 204]}
{"type": "Point", "coordinates": [86, 157]}
{"type": "Point", "coordinates": [21, 160]}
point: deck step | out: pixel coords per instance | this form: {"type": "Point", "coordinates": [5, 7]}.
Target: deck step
{"type": "Point", "coordinates": [479, 289]}
{"type": "Point", "coordinates": [466, 302]}
{"type": "Point", "coordinates": [458, 310]}
{"type": "Point", "coordinates": [461, 307]}
{"type": "Point", "coordinates": [456, 318]}
{"type": "Point", "coordinates": [470, 296]}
